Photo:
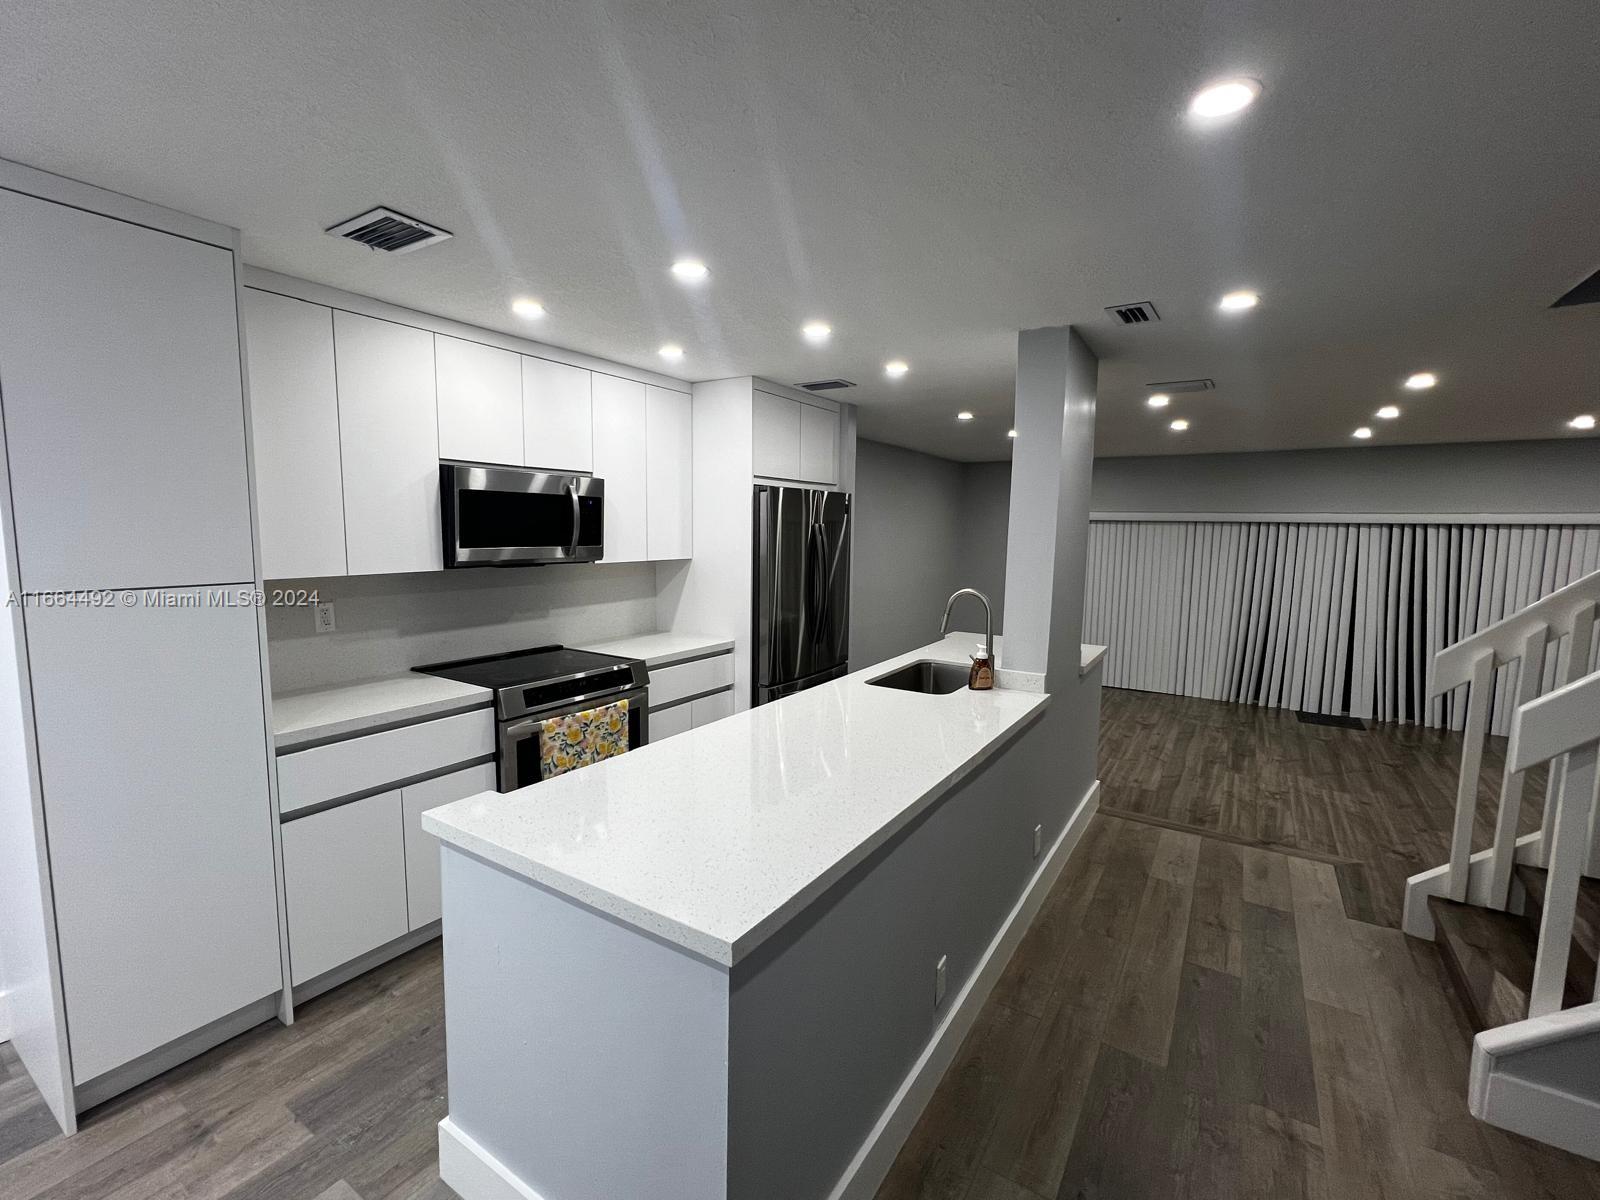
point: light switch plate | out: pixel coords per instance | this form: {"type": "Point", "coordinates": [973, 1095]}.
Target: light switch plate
{"type": "Point", "coordinates": [325, 622]}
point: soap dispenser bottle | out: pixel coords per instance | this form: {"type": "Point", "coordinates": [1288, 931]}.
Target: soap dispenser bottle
{"type": "Point", "coordinates": [981, 677]}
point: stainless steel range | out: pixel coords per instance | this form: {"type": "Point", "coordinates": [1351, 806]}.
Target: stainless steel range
{"type": "Point", "coordinates": [531, 686]}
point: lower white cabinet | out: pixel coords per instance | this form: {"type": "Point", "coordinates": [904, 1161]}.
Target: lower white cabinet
{"type": "Point", "coordinates": [669, 722]}
{"type": "Point", "coordinates": [712, 708]}
{"type": "Point", "coordinates": [422, 849]}
{"type": "Point", "coordinates": [344, 872]}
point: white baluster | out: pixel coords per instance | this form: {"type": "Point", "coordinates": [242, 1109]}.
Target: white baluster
{"type": "Point", "coordinates": [1570, 845]}
{"type": "Point", "coordinates": [1572, 664]}
{"type": "Point", "coordinates": [1467, 786]}
{"type": "Point", "coordinates": [1530, 673]}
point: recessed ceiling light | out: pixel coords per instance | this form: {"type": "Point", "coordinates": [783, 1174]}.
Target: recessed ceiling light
{"type": "Point", "coordinates": [963, 415]}
{"type": "Point", "coordinates": [690, 270]}
{"type": "Point", "coordinates": [1011, 433]}
{"type": "Point", "coordinates": [1421, 381]}
{"type": "Point", "coordinates": [1388, 412]}
{"type": "Point", "coordinates": [1238, 301]}
{"type": "Point", "coordinates": [1582, 421]}
{"type": "Point", "coordinates": [671, 351]}
{"type": "Point", "coordinates": [1159, 400]}
{"type": "Point", "coordinates": [896, 367]}
{"type": "Point", "coordinates": [1179, 425]}
{"type": "Point", "coordinates": [816, 332]}
{"type": "Point", "coordinates": [528, 310]}
{"type": "Point", "coordinates": [1224, 99]}
{"type": "Point", "coordinates": [1363, 433]}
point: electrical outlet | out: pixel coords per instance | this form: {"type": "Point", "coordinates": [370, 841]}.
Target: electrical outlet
{"type": "Point", "coordinates": [325, 622]}
{"type": "Point", "coordinates": [940, 974]}
{"type": "Point", "coordinates": [1038, 839]}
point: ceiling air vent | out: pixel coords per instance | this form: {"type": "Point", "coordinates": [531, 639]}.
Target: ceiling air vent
{"type": "Point", "coordinates": [1141, 313]}
{"type": "Point", "coordinates": [1176, 386]}
{"type": "Point", "coordinates": [1587, 292]}
{"type": "Point", "coordinates": [826, 385]}
{"type": "Point", "coordinates": [389, 231]}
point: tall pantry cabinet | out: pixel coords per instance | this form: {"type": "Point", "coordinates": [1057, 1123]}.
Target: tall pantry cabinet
{"type": "Point", "coordinates": [144, 855]}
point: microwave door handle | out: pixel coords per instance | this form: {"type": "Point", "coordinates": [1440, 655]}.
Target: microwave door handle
{"type": "Point", "coordinates": [577, 518]}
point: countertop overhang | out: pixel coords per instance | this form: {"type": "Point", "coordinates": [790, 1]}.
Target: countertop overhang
{"type": "Point", "coordinates": [715, 838]}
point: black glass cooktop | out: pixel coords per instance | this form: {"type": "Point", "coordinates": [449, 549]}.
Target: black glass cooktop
{"type": "Point", "coordinates": [522, 667]}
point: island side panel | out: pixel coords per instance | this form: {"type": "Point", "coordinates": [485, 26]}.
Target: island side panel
{"type": "Point", "coordinates": [831, 1014]}
{"type": "Point", "coordinates": [588, 1058]}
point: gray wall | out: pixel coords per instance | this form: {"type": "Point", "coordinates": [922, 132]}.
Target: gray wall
{"type": "Point", "coordinates": [1486, 477]}
{"type": "Point", "coordinates": [388, 624]}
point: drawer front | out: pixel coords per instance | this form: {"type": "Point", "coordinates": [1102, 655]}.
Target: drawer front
{"type": "Point", "coordinates": [344, 880]}
{"type": "Point", "coordinates": [711, 708]}
{"type": "Point", "coordinates": [669, 722]}
{"type": "Point", "coordinates": [671, 684]}
{"type": "Point", "coordinates": [359, 764]}
{"type": "Point", "coordinates": [422, 849]}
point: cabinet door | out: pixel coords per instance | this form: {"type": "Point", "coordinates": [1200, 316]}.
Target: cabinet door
{"type": "Point", "coordinates": [669, 722]}
{"type": "Point", "coordinates": [557, 417]}
{"type": "Point", "coordinates": [777, 436]}
{"type": "Point", "coordinates": [819, 445]}
{"type": "Point", "coordinates": [153, 750]}
{"type": "Point", "coordinates": [389, 439]}
{"type": "Point", "coordinates": [712, 708]}
{"type": "Point", "coordinates": [294, 423]}
{"type": "Point", "coordinates": [670, 474]}
{"type": "Point", "coordinates": [422, 849]}
{"type": "Point", "coordinates": [124, 412]}
{"type": "Point", "coordinates": [620, 459]}
{"type": "Point", "coordinates": [480, 401]}
{"type": "Point", "coordinates": [344, 880]}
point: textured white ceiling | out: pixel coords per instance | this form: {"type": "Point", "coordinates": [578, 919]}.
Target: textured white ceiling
{"type": "Point", "coordinates": [1417, 183]}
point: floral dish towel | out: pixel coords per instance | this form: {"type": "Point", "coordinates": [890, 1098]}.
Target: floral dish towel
{"type": "Point", "coordinates": [579, 739]}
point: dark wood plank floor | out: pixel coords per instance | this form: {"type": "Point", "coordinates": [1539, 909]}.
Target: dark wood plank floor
{"type": "Point", "coordinates": [1211, 1004]}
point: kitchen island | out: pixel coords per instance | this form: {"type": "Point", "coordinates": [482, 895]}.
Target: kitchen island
{"type": "Point", "coordinates": [734, 963]}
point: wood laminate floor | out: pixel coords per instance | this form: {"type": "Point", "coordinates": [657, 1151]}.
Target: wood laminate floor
{"type": "Point", "coordinates": [1212, 1003]}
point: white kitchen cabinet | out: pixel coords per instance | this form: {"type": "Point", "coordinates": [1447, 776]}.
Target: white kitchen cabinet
{"type": "Point", "coordinates": [124, 412]}
{"type": "Point", "coordinates": [777, 436]}
{"type": "Point", "coordinates": [621, 460]}
{"type": "Point", "coordinates": [711, 708]}
{"type": "Point", "coordinates": [388, 436]}
{"type": "Point", "coordinates": [344, 879]}
{"type": "Point", "coordinates": [669, 474]}
{"type": "Point", "coordinates": [819, 445]}
{"type": "Point", "coordinates": [480, 401]}
{"type": "Point", "coordinates": [152, 743]}
{"type": "Point", "coordinates": [422, 849]}
{"type": "Point", "coordinates": [557, 417]}
{"type": "Point", "coordinates": [669, 722]}
{"type": "Point", "coordinates": [294, 423]}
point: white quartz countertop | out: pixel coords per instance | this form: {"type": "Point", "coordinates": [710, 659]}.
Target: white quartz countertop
{"type": "Point", "coordinates": [714, 838]}
{"type": "Point", "coordinates": [318, 714]}
{"type": "Point", "coordinates": [658, 649]}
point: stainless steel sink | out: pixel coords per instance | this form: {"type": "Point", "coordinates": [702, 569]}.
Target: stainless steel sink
{"type": "Point", "coordinates": [924, 675]}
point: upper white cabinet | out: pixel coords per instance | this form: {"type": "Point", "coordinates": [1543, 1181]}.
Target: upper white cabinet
{"type": "Point", "coordinates": [389, 441]}
{"type": "Point", "coordinates": [795, 439]}
{"type": "Point", "coordinates": [294, 422]}
{"type": "Point", "coordinates": [119, 358]}
{"type": "Point", "coordinates": [621, 460]}
{"type": "Point", "coordinates": [669, 473]}
{"type": "Point", "coordinates": [819, 444]}
{"type": "Point", "coordinates": [480, 401]}
{"type": "Point", "coordinates": [777, 436]}
{"type": "Point", "coordinates": [557, 417]}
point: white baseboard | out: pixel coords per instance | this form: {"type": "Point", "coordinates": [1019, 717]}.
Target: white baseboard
{"type": "Point", "coordinates": [473, 1172]}
{"type": "Point", "coordinates": [476, 1174]}
{"type": "Point", "coordinates": [872, 1161]}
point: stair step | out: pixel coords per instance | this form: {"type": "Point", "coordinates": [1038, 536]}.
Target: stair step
{"type": "Point", "coordinates": [1586, 923]}
{"type": "Point", "coordinates": [1490, 956]}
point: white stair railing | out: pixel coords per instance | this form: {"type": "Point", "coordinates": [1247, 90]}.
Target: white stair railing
{"type": "Point", "coordinates": [1565, 618]}
{"type": "Point", "coordinates": [1565, 724]}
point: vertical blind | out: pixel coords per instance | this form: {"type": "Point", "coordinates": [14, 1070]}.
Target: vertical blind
{"type": "Point", "coordinates": [1325, 618]}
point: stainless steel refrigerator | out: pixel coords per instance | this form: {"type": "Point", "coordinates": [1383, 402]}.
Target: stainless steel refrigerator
{"type": "Point", "coordinates": [802, 589]}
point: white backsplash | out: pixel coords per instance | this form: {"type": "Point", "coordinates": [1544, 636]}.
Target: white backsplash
{"type": "Point", "coordinates": [390, 623]}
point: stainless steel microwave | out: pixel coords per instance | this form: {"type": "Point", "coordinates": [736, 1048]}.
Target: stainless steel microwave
{"type": "Point", "coordinates": [511, 516]}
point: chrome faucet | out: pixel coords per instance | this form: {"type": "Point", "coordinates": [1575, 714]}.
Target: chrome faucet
{"type": "Point", "coordinates": [988, 619]}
